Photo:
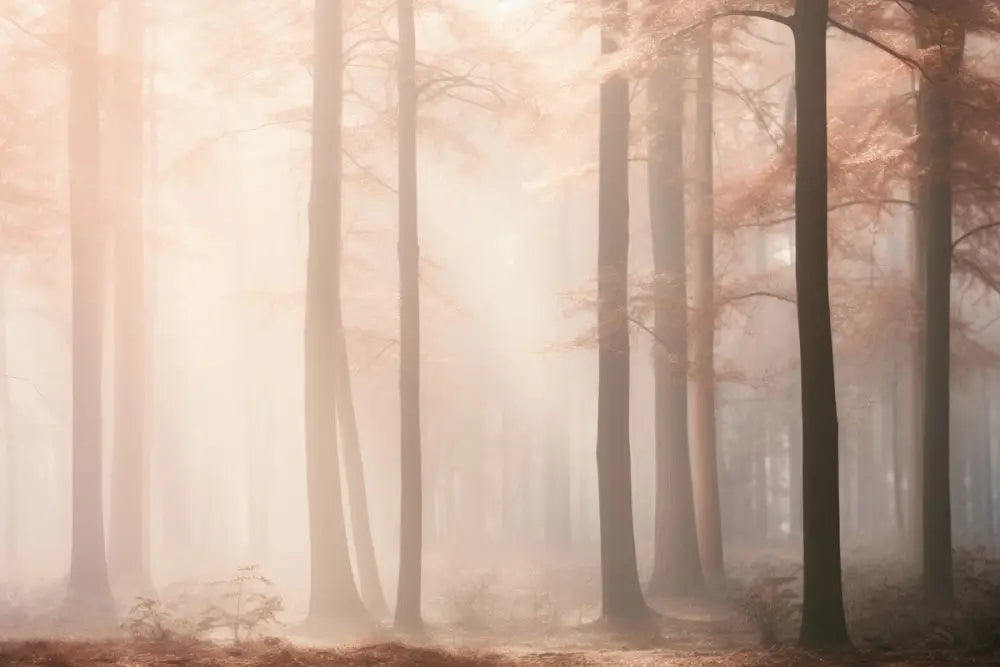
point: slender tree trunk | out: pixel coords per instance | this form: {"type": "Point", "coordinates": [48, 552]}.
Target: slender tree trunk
{"type": "Point", "coordinates": [676, 562]}
{"type": "Point", "coordinates": [364, 548]}
{"type": "Point", "coordinates": [890, 405]}
{"type": "Point", "coordinates": [986, 469]}
{"type": "Point", "coordinates": [411, 513]}
{"type": "Point", "coordinates": [152, 200]}
{"type": "Point", "coordinates": [704, 463]}
{"type": "Point", "coordinates": [126, 550]}
{"type": "Point", "coordinates": [334, 598]}
{"type": "Point", "coordinates": [823, 621]}
{"type": "Point", "coordinates": [622, 601]}
{"type": "Point", "coordinates": [11, 535]}
{"type": "Point", "coordinates": [88, 579]}
{"type": "Point", "coordinates": [935, 199]}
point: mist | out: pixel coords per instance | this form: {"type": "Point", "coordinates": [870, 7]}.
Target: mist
{"type": "Point", "coordinates": [474, 332]}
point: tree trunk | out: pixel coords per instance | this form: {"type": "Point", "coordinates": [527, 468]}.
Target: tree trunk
{"type": "Point", "coordinates": [334, 598]}
{"type": "Point", "coordinates": [364, 548]}
{"type": "Point", "coordinates": [622, 601]}
{"type": "Point", "coordinates": [935, 202]}
{"type": "Point", "coordinates": [126, 551]}
{"type": "Point", "coordinates": [411, 513]}
{"type": "Point", "coordinates": [89, 591]}
{"type": "Point", "coordinates": [823, 621]}
{"type": "Point", "coordinates": [704, 463]}
{"type": "Point", "coordinates": [676, 562]}
{"type": "Point", "coordinates": [11, 551]}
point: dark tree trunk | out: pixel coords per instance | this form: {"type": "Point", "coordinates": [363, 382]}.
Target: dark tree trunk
{"type": "Point", "coordinates": [676, 562]}
{"type": "Point", "coordinates": [622, 601]}
{"type": "Point", "coordinates": [126, 549]}
{"type": "Point", "coordinates": [935, 201]}
{"type": "Point", "coordinates": [704, 460]}
{"type": "Point", "coordinates": [411, 527]}
{"type": "Point", "coordinates": [334, 600]}
{"type": "Point", "coordinates": [88, 579]}
{"type": "Point", "coordinates": [823, 621]}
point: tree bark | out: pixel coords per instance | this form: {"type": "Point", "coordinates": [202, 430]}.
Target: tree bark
{"type": "Point", "coordinates": [126, 551]}
{"type": "Point", "coordinates": [408, 615]}
{"type": "Point", "coordinates": [622, 601]}
{"type": "Point", "coordinates": [704, 460]}
{"type": "Point", "coordinates": [823, 621]}
{"type": "Point", "coordinates": [934, 147]}
{"type": "Point", "coordinates": [334, 599]}
{"type": "Point", "coordinates": [89, 590]}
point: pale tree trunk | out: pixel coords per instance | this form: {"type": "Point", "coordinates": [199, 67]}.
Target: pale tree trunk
{"type": "Point", "coordinates": [676, 563]}
{"type": "Point", "coordinates": [334, 599]}
{"type": "Point", "coordinates": [823, 622]}
{"type": "Point", "coordinates": [411, 508]}
{"type": "Point", "coordinates": [89, 591]}
{"type": "Point", "coordinates": [152, 201]}
{"type": "Point", "coordinates": [622, 601]}
{"type": "Point", "coordinates": [704, 464]}
{"type": "Point", "coordinates": [364, 548]}
{"type": "Point", "coordinates": [935, 143]}
{"type": "Point", "coordinates": [11, 537]}
{"type": "Point", "coordinates": [126, 551]}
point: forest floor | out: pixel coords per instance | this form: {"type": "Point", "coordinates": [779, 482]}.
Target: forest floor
{"type": "Point", "coordinates": [492, 618]}
{"type": "Point", "coordinates": [690, 635]}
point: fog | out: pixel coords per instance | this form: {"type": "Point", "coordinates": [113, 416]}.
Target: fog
{"type": "Point", "coordinates": [207, 149]}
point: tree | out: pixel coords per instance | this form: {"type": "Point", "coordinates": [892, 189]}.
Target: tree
{"type": "Point", "coordinates": [622, 601]}
{"type": "Point", "coordinates": [410, 518]}
{"type": "Point", "coordinates": [88, 578]}
{"type": "Point", "coordinates": [944, 40]}
{"type": "Point", "coordinates": [126, 550]}
{"type": "Point", "coordinates": [704, 466]}
{"type": "Point", "coordinates": [823, 621]}
{"type": "Point", "coordinates": [676, 564]}
{"type": "Point", "coordinates": [333, 597]}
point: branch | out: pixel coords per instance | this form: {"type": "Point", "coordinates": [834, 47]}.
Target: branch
{"type": "Point", "coordinates": [835, 207]}
{"type": "Point", "coordinates": [749, 295]}
{"type": "Point", "coordinates": [971, 232]}
{"type": "Point", "coordinates": [885, 48]}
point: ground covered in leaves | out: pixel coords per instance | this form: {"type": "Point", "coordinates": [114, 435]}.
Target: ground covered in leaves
{"type": "Point", "coordinates": [277, 653]}
{"type": "Point", "coordinates": [488, 618]}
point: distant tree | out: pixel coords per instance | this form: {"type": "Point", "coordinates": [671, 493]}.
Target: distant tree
{"type": "Point", "coordinates": [408, 615]}
{"type": "Point", "coordinates": [704, 461]}
{"type": "Point", "coordinates": [88, 579]}
{"type": "Point", "coordinates": [334, 598]}
{"type": "Point", "coordinates": [676, 564]}
{"type": "Point", "coordinates": [127, 532]}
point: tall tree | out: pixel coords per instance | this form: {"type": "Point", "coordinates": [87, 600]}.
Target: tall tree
{"type": "Point", "coordinates": [704, 465]}
{"type": "Point", "coordinates": [411, 509]}
{"type": "Point", "coordinates": [333, 597]}
{"type": "Point", "coordinates": [88, 578]}
{"type": "Point", "coordinates": [676, 564]}
{"type": "Point", "coordinates": [823, 622]}
{"type": "Point", "coordinates": [126, 551]}
{"type": "Point", "coordinates": [622, 599]}
{"type": "Point", "coordinates": [944, 42]}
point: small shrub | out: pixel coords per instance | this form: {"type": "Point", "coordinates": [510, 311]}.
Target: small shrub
{"type": "Point", "coordinates": [151, 619]}
{"type": "Point", "coordinates": [768, 603]}
{"type": "Point", "coordinates": [245, 606]}
{"type": "Point", "coordinates": [470, 603]}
